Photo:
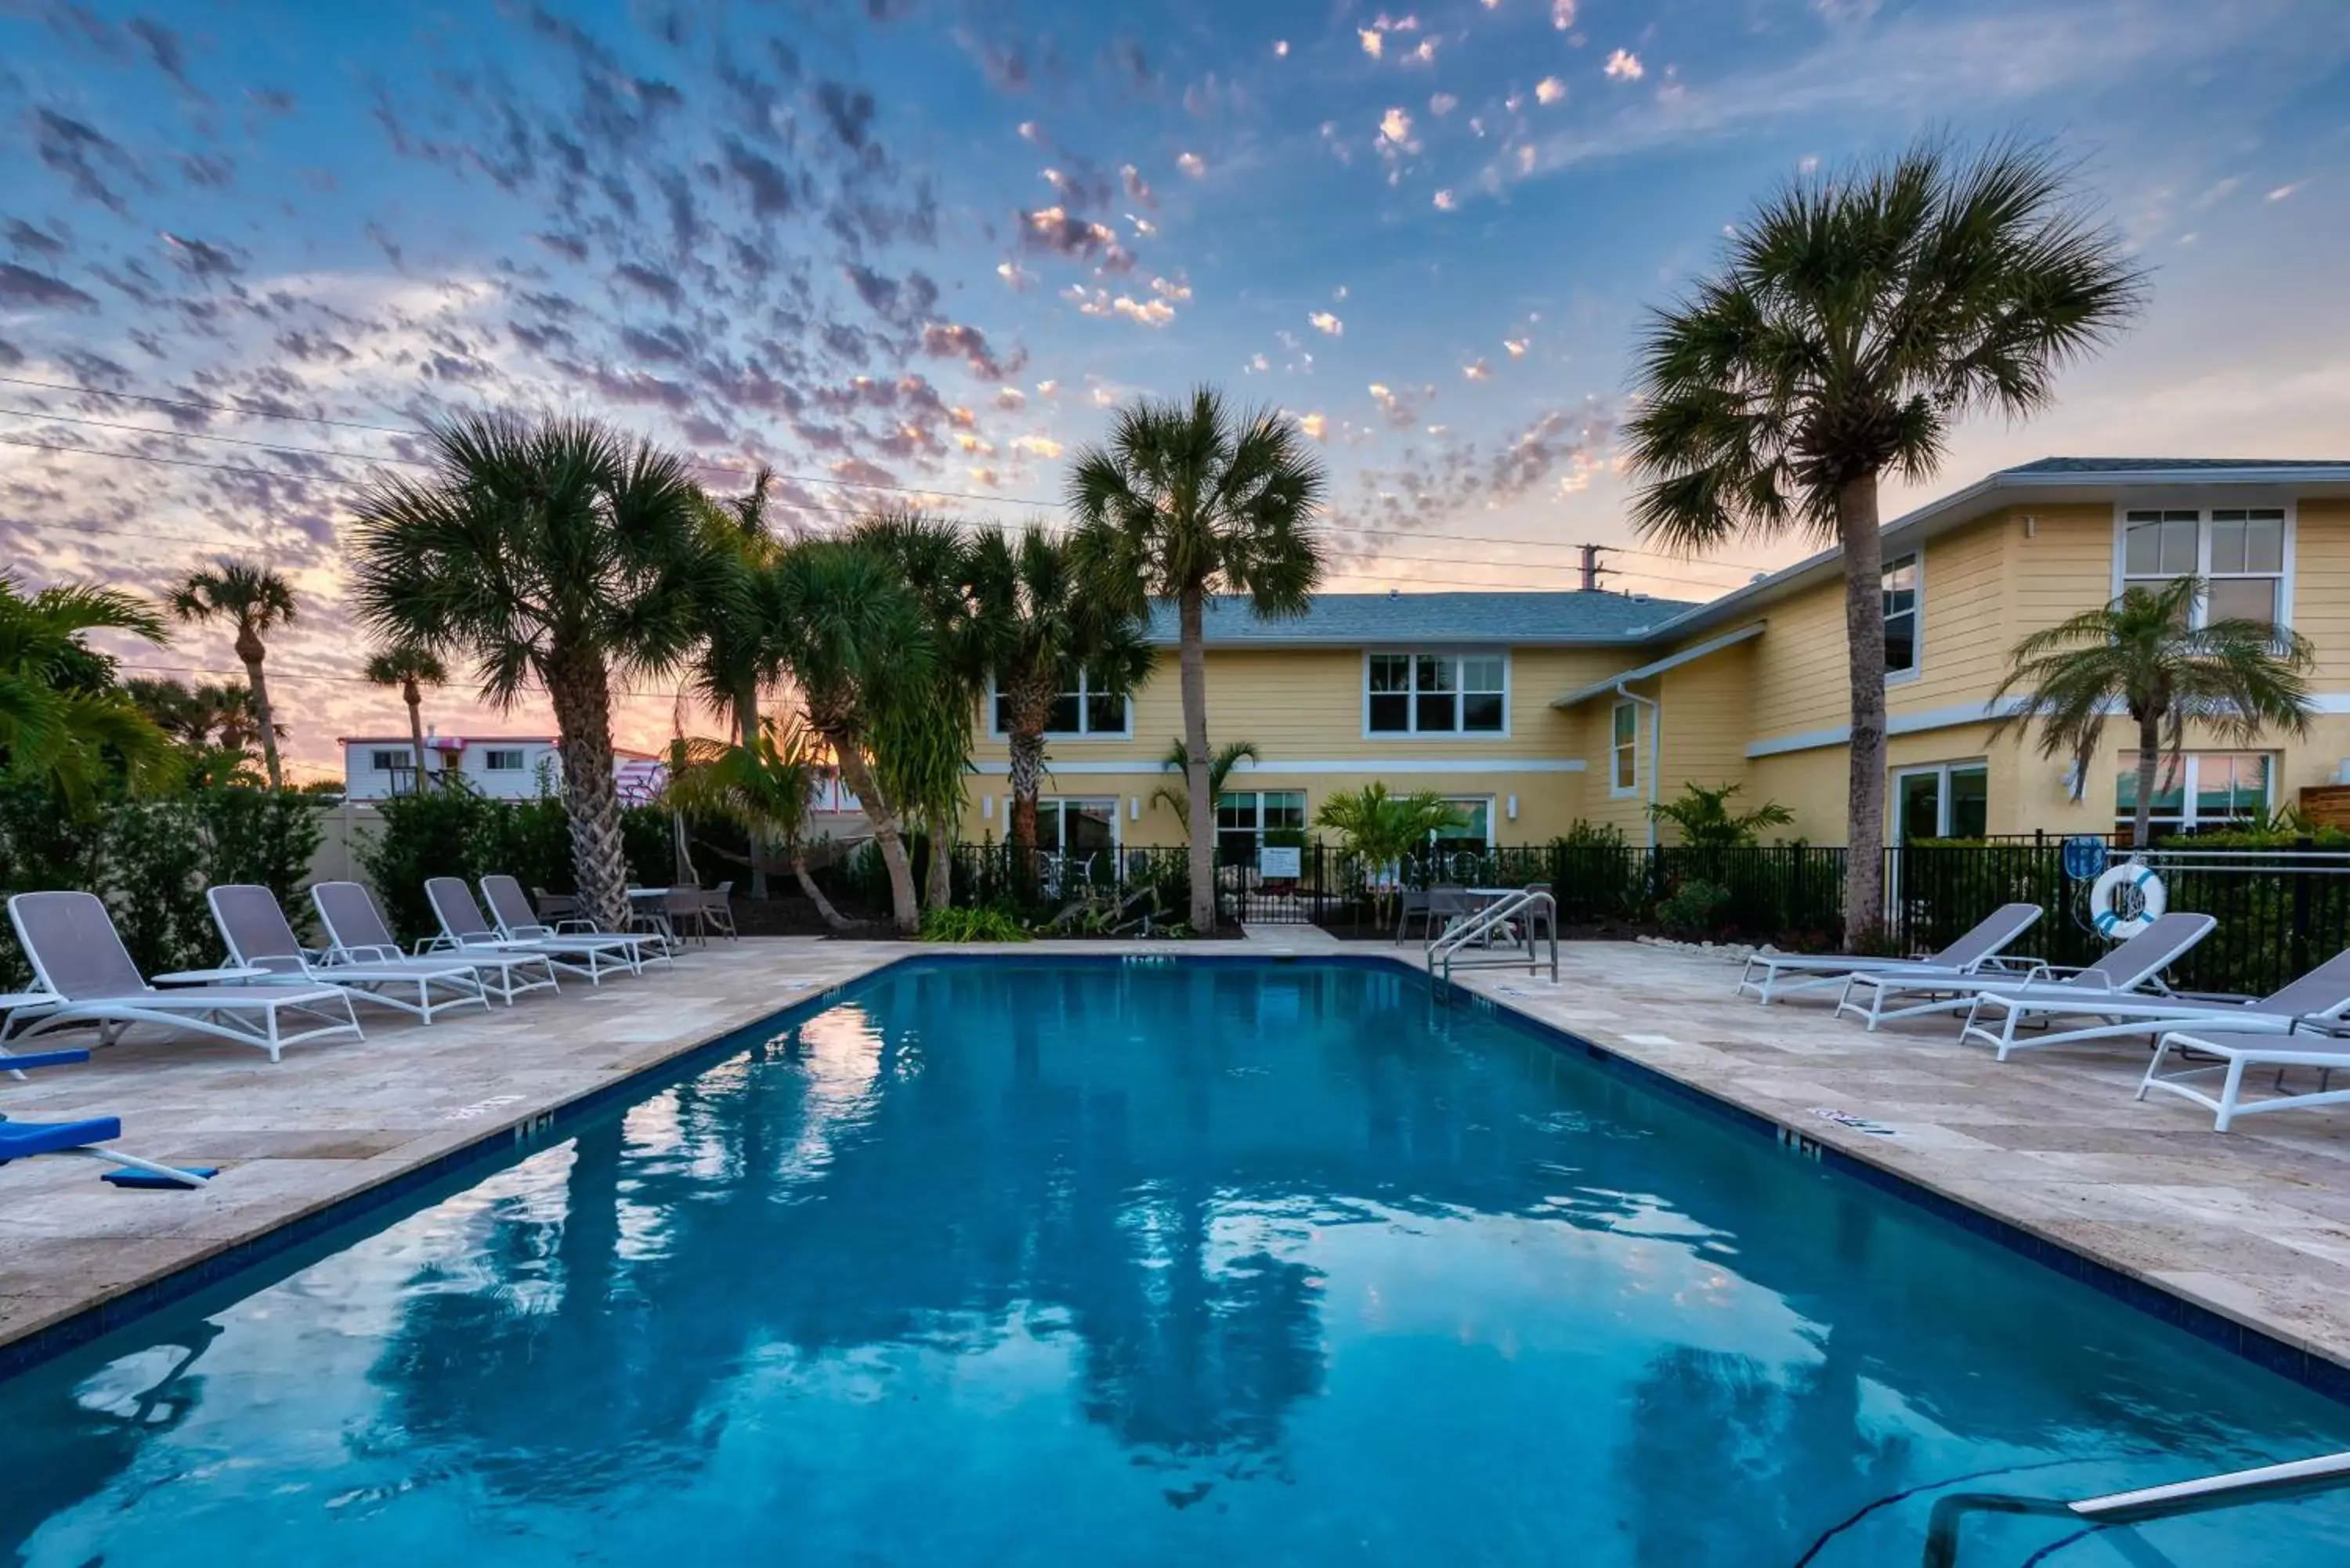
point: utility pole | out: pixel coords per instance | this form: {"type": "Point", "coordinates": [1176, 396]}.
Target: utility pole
{"type": "Point", "coordinates": [1592, 570]}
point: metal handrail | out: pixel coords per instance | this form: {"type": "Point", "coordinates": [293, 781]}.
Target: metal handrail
{"type": "Point", "coordinates": [2204, 1494]}
{"type": "Point", "coordinates": [1522, 907]}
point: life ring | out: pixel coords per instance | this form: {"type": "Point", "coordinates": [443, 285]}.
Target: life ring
{"type": "Point", "coordinates": [2104, 899]}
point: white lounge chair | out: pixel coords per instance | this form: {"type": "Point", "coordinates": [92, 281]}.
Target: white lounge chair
{"type": "Point", "coordinates": [259, 936]}
{"type": "Point", "coordinates": [465, 930]}
{"type": "Point", "coordinates": [2322, 994]}
{"type": "Point", "coordinates": [77, 955]}
{"type": "Point", "coordinates": [517, 922]}
{"type": "Point", "coordinates": [2322, 1047]}
{"type": "Point", "coordinates": [357, 934]}
{"type": "Point", "coordinates": [2129, 968]}
{"type": "Point", "coordinates": [1979, 951]}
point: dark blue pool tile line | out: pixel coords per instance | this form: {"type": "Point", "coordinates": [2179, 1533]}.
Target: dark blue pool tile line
{"type": "Point", "coordinates": [2313, 1372]}
{"type": "Point", "coordinates": [2310, 1370]}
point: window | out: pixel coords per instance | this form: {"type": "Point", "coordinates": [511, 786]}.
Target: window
{"type": "Point", "coordinates": [2199, 790]}
{"type": "Point", "coordinates": [501, 761]}
{"type": "Point", "coordinates": [394, 762]}
{"type": "Point", "coordinates": [1436, 694]}
{"type": "Point", "coordinates": [1082, 709]}
{"type": "Point", "coordinates": [2239, 550]}
{"type": "Point", "coordinates": [1472, 828]}
{"type": "Point", "coordinates": [1624, 766]}
{"type": "Point", "coordinates": [1901, 645]}
{"type": "Point", "coordinates": [1947, 800]}
{"type": "Point", "coordinates": [1078, 828]}
{"type": "Point", "coordinates": [1244, 816]}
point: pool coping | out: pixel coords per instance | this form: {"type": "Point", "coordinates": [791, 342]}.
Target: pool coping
{"type": "Point", "coordinates": [2308, 1366]}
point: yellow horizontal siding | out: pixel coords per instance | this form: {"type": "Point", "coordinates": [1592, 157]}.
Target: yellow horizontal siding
{"type": "Point", "coordinates": [2321, 586]}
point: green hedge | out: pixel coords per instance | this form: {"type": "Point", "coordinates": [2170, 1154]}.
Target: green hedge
{"type": "Point", "coordinates": [456, 832]}
{"type": "Point", "coordinates": [151, 861]}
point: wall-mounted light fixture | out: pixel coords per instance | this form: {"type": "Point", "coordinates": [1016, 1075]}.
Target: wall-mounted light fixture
{"type": "Point", "coordinates": [1513, 808]}
{"type": "Point", "coordinates": [1134, 809]}
{"type": "Point", "coordinates": [987, 806]}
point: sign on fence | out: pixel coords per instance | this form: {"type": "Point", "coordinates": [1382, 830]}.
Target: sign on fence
{"type": "Point", "coordinates": [1274, 861]}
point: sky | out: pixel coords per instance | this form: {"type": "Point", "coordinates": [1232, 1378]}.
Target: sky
{"type": "Point", "coordinates": [919, 249]}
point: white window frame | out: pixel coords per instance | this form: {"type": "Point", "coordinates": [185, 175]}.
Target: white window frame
{"type": "Point", "coordinates": [997, 733]}
{"type": "Point", "coordinates": [521, 755]}
{"type": "Point", "coordinates": [1060, 828]}
{"type": "Point", "coordinates": [1941, 773]}
{"type": "Point", "coordinates": [1306, 820]}
{"type": "Point", "coordinates": [1412, 708]}
{"type": "Point", "coordinates": [2203, 508]}
{"type": "Point", "coordinates": [1621, 748]}
{"type": "Point", "coordinates": [1917, 559]}
{"type": "Point", "coordinates": [2191, 778]}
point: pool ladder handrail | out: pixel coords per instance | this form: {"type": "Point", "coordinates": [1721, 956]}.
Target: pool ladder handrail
{"type": "Point", "coordinates": [1518, 912]}
{"type": "Point", "coordinates": [2297, 1477]}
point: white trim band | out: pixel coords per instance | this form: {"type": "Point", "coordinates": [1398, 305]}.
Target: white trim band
{"type": "Point", "coordinates": [1284, 768]}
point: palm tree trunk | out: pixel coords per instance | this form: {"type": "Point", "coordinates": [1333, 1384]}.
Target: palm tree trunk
{"type": "Point", "coordinates": [815, 894]}
{"type": "Point", "coordinates": [940, 892]}
{"type": "Point", "coordinates": [1864, 626]}
{"type": "Point", "coordinates": [415, 701]}
{"type": "Point", "coordinates": [746, 719]}
{"type": "Point", "coordinates": [1026, 773]}
{"type": "Point", "coordinates": [580, 691]}
{"type": "Point", "coordinates": [1193, 668]}
{"type": "Point", "coordinates": [249, 649]}
{"type": "Point", "coordinates": [2149, 762]}
{"type": "Point", "coordinates": [905, 914]}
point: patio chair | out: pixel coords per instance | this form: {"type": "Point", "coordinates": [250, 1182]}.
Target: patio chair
{"type": "Point", "coordinates": [259, 936]}
{"type": "Point", "coordinates": [465, 928]}
{"type": "Point", "coordinates": [518, 922]}
{"type": "Point", "coordinates": [1980, 950]}
{"type": "Point", "coordinates": [718, 910]}
{"type": "Point", "coordinates": [2322, 1044]}
{"type": "Point", "coordinates": [2322, 996]}
{"type": "Point", "coordinates": [2128, 970]}
{"type": "Point", "coordinates": [90, 1138]}
{"type": "Point", "coordinates": [77, 956]}
{"type": "Point", "coordinates": [357, 935]}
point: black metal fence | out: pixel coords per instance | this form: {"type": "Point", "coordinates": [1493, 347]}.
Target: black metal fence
{"type": "Point", "coordinates": [2280, 912]}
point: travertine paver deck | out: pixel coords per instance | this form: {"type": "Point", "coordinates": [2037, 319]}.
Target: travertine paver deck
{"type": "Point", "coordinates": [2255, 1224]}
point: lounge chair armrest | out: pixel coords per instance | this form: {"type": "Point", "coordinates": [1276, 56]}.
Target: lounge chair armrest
{"type": "Point", "coordinates": [2331, 1025]}
{"type": "Point", "coordinates": [2235, 996]}
{"type": "Point", "coordinates": [2012, 963]}
{"type": "Point", "coordinates": [41, 1059]}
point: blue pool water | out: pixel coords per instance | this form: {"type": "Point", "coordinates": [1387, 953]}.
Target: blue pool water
{"type": "Point", "coordinates": [1055, 1263]}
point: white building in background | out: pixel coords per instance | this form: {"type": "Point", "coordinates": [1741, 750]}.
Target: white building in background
{"type": "Point", "coordinates": [503, 767]}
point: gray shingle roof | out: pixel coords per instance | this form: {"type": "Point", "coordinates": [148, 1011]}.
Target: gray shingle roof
{"type": "Point", "coordinates": [1349, 621]}
{"type": "Point", "coordinates": [2165, 464]}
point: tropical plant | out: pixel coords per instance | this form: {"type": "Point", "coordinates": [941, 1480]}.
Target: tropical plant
{"type": "Point", "coordinates": [922, 739]}
{"type": "Point", "coordinates": [554, 551]}
{"type": "Point", "coordinates": [737, 659]}
{"type": "Point", "coordinates": [1857, 316]}
{"type": "Point", "coordinates": [765, 788]}
{"type": "Point", "coordinates": [1036, 627]}
{"type": "Point", "coordinates": [859, 646]}
{"type": "Point", "coordinates": [984, 924]}
{"type": "Point", "coordinates": [63, 723]}
{"type": "Point", "coordinates": [254, 599]}
{"type": "Point", "coordinates": [1184, 502]}
{"type": "Point", "coordinates": [1693, 909]}
{"type": "Point", "coordinates": [1383, 828]}
{"type": "Point", "coordinates": [1704, 820]}
{"type": "Point", "coordinates": [411, 669]}
{"type": "Point", "coordinates": [1176, 796]}
{"type": "Point", "coordinates": [2143, 655]}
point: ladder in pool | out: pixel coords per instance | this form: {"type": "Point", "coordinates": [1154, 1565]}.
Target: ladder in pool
{"type": "Point", "coordinates": [1507, 932]}
{"type": "Point", "coordinates": [2269, 1483]}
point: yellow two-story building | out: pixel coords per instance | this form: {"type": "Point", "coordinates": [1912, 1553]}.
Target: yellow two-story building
{"type": "Point", "coordinates": [1535, 711]}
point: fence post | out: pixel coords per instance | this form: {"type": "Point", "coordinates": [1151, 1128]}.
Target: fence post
{"type": "Point", "coordinates": [2301, 954]}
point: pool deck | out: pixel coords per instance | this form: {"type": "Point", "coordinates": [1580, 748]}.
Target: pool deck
{"type": "Point", "coordinates": [2253, 1225]}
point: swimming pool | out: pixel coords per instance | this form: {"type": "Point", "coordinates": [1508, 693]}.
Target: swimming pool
{"type": "Point", "coordinates": [1043, 1261]}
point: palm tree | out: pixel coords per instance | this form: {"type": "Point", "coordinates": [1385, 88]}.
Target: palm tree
{"type": "Point", "coordinates": [62, 719]}
{"type": "Point", "coordinates": [2143, 655]}
{"type": "Point", "coordinates": [1036, 628]}
{"type": "Point", "coordinates": [1185, 501]}
{"type": "Point", "coordinates": [1382, 828]}
{"type": "Point", "coordinates": [554, 551]}
{"type": "Point", "coordinates": [860, 647]}
{"type": "Point", "coordinates": [923, 744]}
{"type": "Point", "coordinates": [1177, 760]}
{"type": "Point", "coordinates": [411, 668]}
{"type": "Point", "coordinates": [1858, 315]}
{"type": "Point", "coordinates": [764, 787]}
{"type": "Point", "coordinates": [1704, 820]}
{"type": "Point", "coordinates": [256, 599]}
{"type": "Point", "coordinates": [737, 660]}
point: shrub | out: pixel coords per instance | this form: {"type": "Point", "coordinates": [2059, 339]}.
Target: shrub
{"type": "Point", "coordinates": [1691, 909]}
{"type": "Point", "coordinates": [968, 925]}
{"type": "Point", "coordinates": [456, 832]}
{"type": "Point", "coordinates": [1704, 820]}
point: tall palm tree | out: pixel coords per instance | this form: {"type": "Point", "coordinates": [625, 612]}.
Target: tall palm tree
{"type": "Point", "coordinates": [255, 599]}
{"type": "Point", "coordinates": [1036, 627]}
{"type": "Point", "coordinates": [62, 719]}
{"type": "Point", "coordinates": [554, 551]}
{"type": "Point", "coordinates": [1177, 760]}
{"type": "Point", "coordinates": [411, 668]}
{"type": "Point", "coordinates": [737, 659]}
{"type": "Point", "coordinates": [858, 646]}
{"type": "Point", "coordinates": [1857, 316]}
{"type": "Point", "coordinates": [764, 787]}
{"type": "Point", "coordinates": [2143, 655]}
{"type": "Point", "coordinates": [1184, 502]}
